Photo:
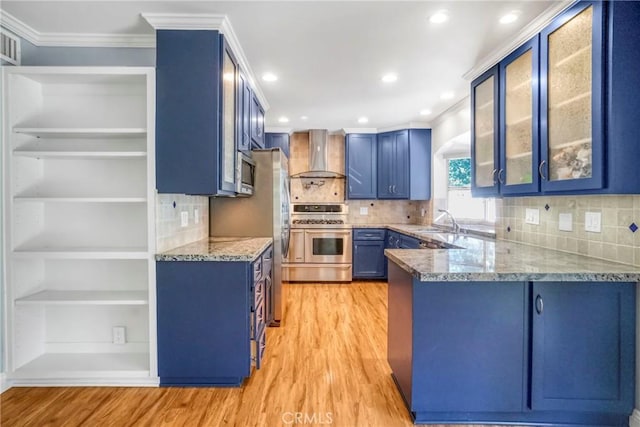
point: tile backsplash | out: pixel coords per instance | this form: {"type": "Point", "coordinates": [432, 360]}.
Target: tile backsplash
{"type": "Point", "coordinates": [616, 241]}
{"type": "Point", "coordinates": [169, 232]}
{"type": "Point", "coordinates": [390, 211]}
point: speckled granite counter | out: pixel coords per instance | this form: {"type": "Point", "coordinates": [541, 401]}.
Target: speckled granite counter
{"type": "Point", "coordinates": [218, 249]}
{"type": "Point", "coordinates": [489, 260]}
{"type": "Point", "coordinates": [415, 230]}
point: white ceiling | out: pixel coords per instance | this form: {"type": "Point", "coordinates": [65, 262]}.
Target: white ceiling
{"type": "Point", "coordinates": [329, 56]}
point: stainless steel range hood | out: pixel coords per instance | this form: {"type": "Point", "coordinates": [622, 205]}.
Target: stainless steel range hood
{"type": "Point", "coordinates": [318, 157]}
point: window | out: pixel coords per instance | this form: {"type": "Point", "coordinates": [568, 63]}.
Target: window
{"type": "Point", "coordinates": [459, 201]}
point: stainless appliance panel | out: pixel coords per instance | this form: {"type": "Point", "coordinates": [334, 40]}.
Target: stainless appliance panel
{"type": "Point", "coordinates": [317, 272]}
{"type": "Point", "coordinates": [327, 246]}
{"type": "Point", "coordinates": [296, 247]}
{"type": "Point", "coordinates": [265, 214]}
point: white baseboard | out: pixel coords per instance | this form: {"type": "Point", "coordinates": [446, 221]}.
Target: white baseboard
{"type": "Point", "coordinates": [4, 383]}
{"type": "Point", "coordinates": [634, 419]}
{"type": "Point", "coordinates": [87, 382]}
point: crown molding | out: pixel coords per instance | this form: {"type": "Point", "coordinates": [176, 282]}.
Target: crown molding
{"type": "Point", "coordinates": [533, 28]}
{"type": "Point", "coordinates": [410, 125]}
{"type": "Point", "coordinates": [37, 38]}
{"type": "Point", "coordinates": [203, 21]}
{"type": "Point", "coordinates": [359, 130]}
{"type": "Point", "coordinates": [19, 28]}
{"type": "Point", "coordinates": [278, 130]}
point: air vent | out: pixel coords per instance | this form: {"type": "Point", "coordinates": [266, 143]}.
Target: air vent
{"type": "Point", "coordinates": [9, 48]}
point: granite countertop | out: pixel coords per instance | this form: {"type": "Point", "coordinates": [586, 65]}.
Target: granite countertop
{"type": "Point", "coordinates": [415, 230]}
{"type": "Point", "coordinates": [481, 259]}
{"type": "Point", "coordinates": [218, 249]}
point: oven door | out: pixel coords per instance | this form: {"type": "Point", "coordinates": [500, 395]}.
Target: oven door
{"type": "Point", "coordinates": [327, 246]}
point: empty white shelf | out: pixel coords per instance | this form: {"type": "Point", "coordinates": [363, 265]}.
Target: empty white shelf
{"type": "Point", "coordinates": [85, 365]}
{"type": "Point", "coordinates": [80, 252]}
{"type": "Point", "coordinates": [87, 155]}
{"type": "Point", "coordinates": [86, 298]}
{"type": "Point", "coordinates": [72, 199]}
{"type": "Point", "coordinates": [53, 132]}
{"type": "Point", "coordinates": [571, 143]}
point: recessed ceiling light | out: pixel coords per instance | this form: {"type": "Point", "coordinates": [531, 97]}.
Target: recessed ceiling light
{"type": "Point", "coordinates": [439, 17]}
{"type": "Point", "coordinates": [447, 95]}
{"type": "Point", "coordinates": [303, 117]}
{"type": "Point", "coordinates": [283, 119]}
{"type": "Point", "coordinates": [363, 120]}
{"type": "Point", "coordinates": [390, 78]}
{"type": "Point", "coordinates": [425, 112]}
{"type": "Point", "coordinates": [269, 77]}
{"type": "Point", "coordinates": [509, 17]}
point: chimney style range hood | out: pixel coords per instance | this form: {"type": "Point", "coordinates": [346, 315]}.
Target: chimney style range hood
{"type": "Point", "coordinates": [318, 157]}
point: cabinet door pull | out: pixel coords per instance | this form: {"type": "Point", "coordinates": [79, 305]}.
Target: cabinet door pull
{"type": "Point", "coordinates": [539, 304]}
{"type": "Point", "coordinates": [493, 176]}
{"type": "Point", "coordinates": [540, 170]}
{"type": "Point", "coordinates": [500, 176]}
{"type": "Point", "coordinates": [394, 189]}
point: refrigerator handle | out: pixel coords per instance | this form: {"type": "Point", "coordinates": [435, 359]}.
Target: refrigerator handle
{"type": "Point", "coordinates": [285, 249]}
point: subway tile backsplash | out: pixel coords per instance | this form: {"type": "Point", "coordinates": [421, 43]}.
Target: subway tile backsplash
{"type": "Point", "coordinates": [169, 232]}
{"type": "Point", "coordinates": [389, 212]}
{"type": "Point", "coordinates": [616, 241]}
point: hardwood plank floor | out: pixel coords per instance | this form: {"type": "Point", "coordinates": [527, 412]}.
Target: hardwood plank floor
{"type": "Point", "coordinates": [326, 365]}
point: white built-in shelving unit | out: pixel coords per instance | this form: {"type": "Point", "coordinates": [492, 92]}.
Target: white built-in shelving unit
{"type": "Point", "coordinates": [79, 224]}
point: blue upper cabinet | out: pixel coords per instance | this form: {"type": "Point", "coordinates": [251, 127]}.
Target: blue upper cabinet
{"type": "Point", "coordinates": [484, 134]}
{"type": "Point", "coordinates": [361, 166]}
{"type": "Point", "coordinates": [257, 123]}
{"type": "Point", "coordinates": [195, 113]}
{"type": "Point", "coordinates": [404, 164]}
{"type": "Point", "coordinates": [571, 88]}
{"type": "Point", "coordinates": [277, 140]}
{"type": "Point", "coordinates": [519, 110]}
{"type": "Point", "coordinates": [244, 113]}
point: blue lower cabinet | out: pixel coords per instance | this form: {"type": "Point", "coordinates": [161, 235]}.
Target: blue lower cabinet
{"type": "Point", "coordinates": [211, 321]}
{"type": "Point", "coordinates": [543, 353]}
{"type": "Point", "coordinates": [368, 253]}
{"type": "Point", "coordinates": [583, 347]}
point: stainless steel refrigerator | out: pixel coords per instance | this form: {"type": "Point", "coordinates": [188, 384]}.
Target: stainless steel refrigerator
{"type": "Point", "coordinates": [265, 214]}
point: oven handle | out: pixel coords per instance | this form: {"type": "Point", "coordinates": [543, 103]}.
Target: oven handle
{"type": "Point", "coordinates": [345, 232]}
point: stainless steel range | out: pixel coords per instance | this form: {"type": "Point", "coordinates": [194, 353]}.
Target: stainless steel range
{"type": "Point", "coordinates": [320, 244]}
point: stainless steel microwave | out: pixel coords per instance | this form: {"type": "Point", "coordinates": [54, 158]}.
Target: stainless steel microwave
{"type": "Point", "coordinates": [245, 175]}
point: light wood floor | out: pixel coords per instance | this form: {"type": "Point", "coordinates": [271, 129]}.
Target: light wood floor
{"type": "Point", "coordinates": [327, 361]}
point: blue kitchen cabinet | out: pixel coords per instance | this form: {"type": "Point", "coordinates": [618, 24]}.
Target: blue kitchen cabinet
{"type": "Point", "coordinates": [195, 151]}
{"type": "Point", "coordinates": [541, 353]}
{"type": "Point", "coordinates": [519, 118]}
{"type": "Point", "coordinates": [277, 140]}
{"type": "Point", "coordinates": [587, 132]}
{"type": "Point", "coordinates": [408, 242]}
{"type": "Point", "coordinates": [368, 253]}
{"type": "Point", "coordinates": [485, 142]}
{"type": "Point", "coordinates": [257, 123]}
{"type": "Point", "coordinates": [211, 320]}
{"type": "Point", "coordinates": [572, 112]}
{"type": "Point", "coordinates": [583, 347]}
{"type": "Point", "coordinates": [361, 166]}
{"type": "Point", "coordinates": [404, 164]}
{"type": "Point", "coordinates": [244, 113]}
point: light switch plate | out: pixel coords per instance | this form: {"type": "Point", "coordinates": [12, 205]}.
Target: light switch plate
{"type": "Point", "coordinates": [364, 210]}
{"type": "Point", "coordinates": [184, 218]}
{"type": "Point", "coordinates": [593, 222]}
{"type": "Point", "coordinates": [196, 216]}
{"type": "Point", "coordinates": [565, 222]}
{"type": "Point", "coordinates": [532, 216]}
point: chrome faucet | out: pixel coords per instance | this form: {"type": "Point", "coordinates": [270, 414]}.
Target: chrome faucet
{"type": "Point", "coordinates": [454, 223]}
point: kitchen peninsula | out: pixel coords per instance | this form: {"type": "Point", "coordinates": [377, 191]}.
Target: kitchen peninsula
{"type": "Point", "coordinates": [499, 332]}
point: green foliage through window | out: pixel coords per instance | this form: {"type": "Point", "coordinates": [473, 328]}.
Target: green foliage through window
{"type": "Point", "coordinates": [460, 172]}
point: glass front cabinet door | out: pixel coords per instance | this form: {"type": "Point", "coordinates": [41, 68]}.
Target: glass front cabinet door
{"type": "Point", "coordinates": [229, 128]}
{"type": "Point", "coordinates": [518, 173]}
{"type": "Point", "coordinates": [484, 134]}
{"type": "Point", "coordinates": [572, 101]}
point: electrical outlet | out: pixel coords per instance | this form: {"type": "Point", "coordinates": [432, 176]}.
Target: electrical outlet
{"type": "Point", "coordinates": [565, 222]}
{"type": "Point", "coordinates": [184, 218]}
{"type": "Point", "coordinates": [196, 216]}
{"type": "Point", "coordinates": [593, 222]}
{"type": "Point", "coordinates": [532, 216]}
{"type": "Point", "coordinates": [364, 210]}
{"type": "Point", "coordinates": [423, 212]}
{"type": "Point", "coordinates": [119, 335]}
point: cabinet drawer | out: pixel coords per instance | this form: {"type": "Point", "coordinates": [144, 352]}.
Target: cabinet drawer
{"type": "Point", "coordinates": [369, 234]}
